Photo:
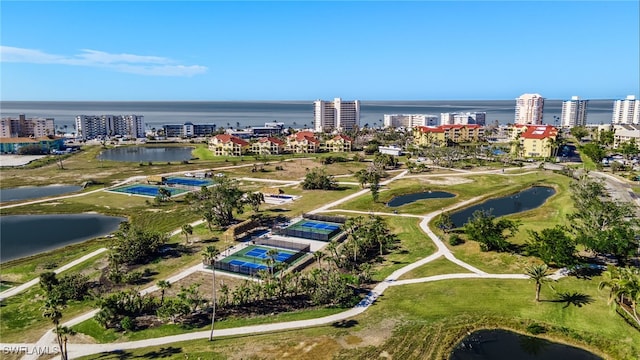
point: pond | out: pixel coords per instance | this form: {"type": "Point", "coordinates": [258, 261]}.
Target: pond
{"type": "Point", "coordinates": [34, 192]}
{"type": "Point", "coordinates": [525, 200]}
{"type": "Point", "coordinates": [507, 345]}
{"type": "Point", "coordinates": [25, 235]}
{"type": "Point", "coordinates": [146, 154]}
{"type": "Point", "coordinates": [409, 198]}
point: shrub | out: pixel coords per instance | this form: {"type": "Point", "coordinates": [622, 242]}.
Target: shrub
{"type": "Point", "coordinates": [536, 329]}
{"type": "Point", "coordinates": [455, 239]}
{"type": "Point", "coordinates": [126, 323]}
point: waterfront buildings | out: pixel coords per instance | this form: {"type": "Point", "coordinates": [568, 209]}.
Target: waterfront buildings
{"type": "Point", "coordinates": [188, 129]}
{"type": "Point", "coordinates": [626, 111]}
{"type": "Point", "coordinates": [26, 127]}
{"type": "Point", "coordinates": [468, 118]}
{"type": "Point", "coordinates": [529, 109]}
{"type": "Point", "coordinates": [336, 115]}
{"type": "Point", "coordinates": [410, 120]}
{"type": "Point", "coordinates": [445, 134]}
{"type": "Point", "coordinates": [574, 112]}
{"type": "Point", "coordinates": [99, 126]}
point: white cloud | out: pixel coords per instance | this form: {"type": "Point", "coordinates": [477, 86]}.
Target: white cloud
{"type": "Point", "coordinates": [127, 63]}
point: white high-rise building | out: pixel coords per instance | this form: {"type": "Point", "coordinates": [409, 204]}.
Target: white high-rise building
{"type": "Point", "coordinates": [468, 118]}
{"type": "Point", "coordinates": [95, 126]}
{"type": "Point", "coordinates": [336, 115]}
{"type": "Point", "coordinates": [574, 112]}
{"type": "Point", "coordinates": [410, 120]}
{"type": "Point", "coordinates": [529, 109]}
{"type": "Point", "coordinates": [626, 111]}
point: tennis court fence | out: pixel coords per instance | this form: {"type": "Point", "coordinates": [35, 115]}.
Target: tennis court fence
{"type": "Point", "coordinates": [328, 218]}
{"type": "Point", "coordinates": [246, 270]}
{"type": "Point", "coordinates": [283, 244]}
{"type": "Point", "coordinates": [305, 234]}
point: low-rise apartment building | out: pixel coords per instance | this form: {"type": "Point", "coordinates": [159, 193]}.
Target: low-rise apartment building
{"type": "Point", "coordinates": [339, 143]}
{"type": "Point", "coordinates": [268, 146]}
{"type": "Point", "coordinates": [228, 145]}
{"type": "Point", "coordinates": [445, 134]}
{"type": "Point", "coordinates": [302, 142]}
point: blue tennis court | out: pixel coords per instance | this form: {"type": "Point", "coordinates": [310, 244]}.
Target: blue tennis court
{"type": "Point", "coordinates": [146, 190]}
{"type": "Point", "coordinates": [247, 264]}
{"type": "Point", "coordinates": [316, 225]}
{"type": "Point", "coordinates": [261, 253]}
{"type": "Point", "coordinates": [187, 181]}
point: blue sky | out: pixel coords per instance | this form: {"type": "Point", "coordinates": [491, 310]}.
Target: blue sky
{"type": "Point", "coordinates": [419, 50]}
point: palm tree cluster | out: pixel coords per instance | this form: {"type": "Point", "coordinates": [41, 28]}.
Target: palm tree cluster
{"type": "Point", "coordinates": [624, 289]}
{"type": "Point", "coordinates": [130, 305]}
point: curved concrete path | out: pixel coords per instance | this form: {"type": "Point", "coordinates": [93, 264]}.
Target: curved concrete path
{"type": "Point", "coordinates": [76, 350]}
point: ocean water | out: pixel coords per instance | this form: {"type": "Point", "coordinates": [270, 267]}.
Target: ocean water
{"type": "Point", "coordinates": [292, 113]}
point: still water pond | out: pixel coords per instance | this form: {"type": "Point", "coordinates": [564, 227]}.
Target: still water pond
{"type": "Point", "coordinates": [525, 200]}
{"type": "Point", "coordinates": [34, 192]}
{"type": "Point", "coordinates": [25, 235]}
{"type": "Point", "coordinates": [507, 345]}
{"type": "Point", "coordinates": [146, 154]}
{"type": "Point", "coordinates": [409, 198]}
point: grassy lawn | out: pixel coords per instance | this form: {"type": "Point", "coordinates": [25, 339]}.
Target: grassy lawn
{"type": "Point", "coordinates": [22, 319]}
{"type": "Point", "coordinates": [414, 245]}
{"type": "Point", "coordinates": [435, 267]}
{"type": "Point", "coordinates": [93, 329]}
{"type": "Point", "coordinates": [22, 270]}
{"type": "Point", "coordinates": [422, 321]}
{"type": "Point", "coordinates": [464, 187]}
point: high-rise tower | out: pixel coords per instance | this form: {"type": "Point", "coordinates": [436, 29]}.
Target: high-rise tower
{"type": "Point", "coordinates": [574, 112]}
{"type": "Point", "coordinates": [529, 108]}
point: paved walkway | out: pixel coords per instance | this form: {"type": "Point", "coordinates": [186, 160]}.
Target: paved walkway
{"type": "Point", "coordinates": [76, 350]}
{"type": "Point", "coordinates": [18, 289]}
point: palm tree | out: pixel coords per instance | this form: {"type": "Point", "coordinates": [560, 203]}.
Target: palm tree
{"type": "Point", "coordinates": [271, 259]}
{"type": "Point", "coordinates": [64, 332]}
{"type": "Point", "coordinates": [52, 310]}
{"type": "Point", "coordinates": [163, 285]}
{"type": "Point", "coordinates": [538, 273]}
{"type": "Point", "coordinates": [318, 256]}
{"type": "Point", "coordinates": [187, 230]}
{"type": "Point", "coordinates": [210, 253]}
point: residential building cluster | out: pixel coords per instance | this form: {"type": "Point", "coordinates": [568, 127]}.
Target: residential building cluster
{"type": "Point", "coordinates": [23, 127]}
{"type": "Point", "coordinates": [299, 142]}
{"type": "Point", "coordinates": [99, 126]}
{"type": "Point", "coordinates": [16, 133]}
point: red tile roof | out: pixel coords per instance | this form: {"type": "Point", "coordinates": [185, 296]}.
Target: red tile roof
{"type": "Point", "coordinates": [225, 138]}
{"type": "Point", "coordinates": [344, 137]}
{"type": "Point", "coordinates": [305, 135]}
{"type": "Point", "coordinates": [271, 139]}
{"type": "Point", "coordinates": [430, 129]}
{"type": "Point", "coordinates": [539, 132]}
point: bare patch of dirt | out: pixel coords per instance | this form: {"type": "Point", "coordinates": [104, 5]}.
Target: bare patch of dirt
{"type": "Point", "coordinates": [454, 180]}
{"type": "Point", "coordinates": [369, 336]}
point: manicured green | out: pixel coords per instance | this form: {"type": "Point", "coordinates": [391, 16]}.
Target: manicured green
{"type": "Point", "coordinates": [436, 267]}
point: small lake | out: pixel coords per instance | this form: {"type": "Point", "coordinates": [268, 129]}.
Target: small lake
{"type": "Point", "coordinates": [35, 192]}
{"type": "Point", "coordinates": [25, 235]}
{"type": "Point", "coordinates": [146, 154]}
{"type": "Point", "coordinates": [409, 198]}
{"type": "Point", "coordinates": [528, 199]}
{"type": "Point", "coordinates": [507, 345]}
